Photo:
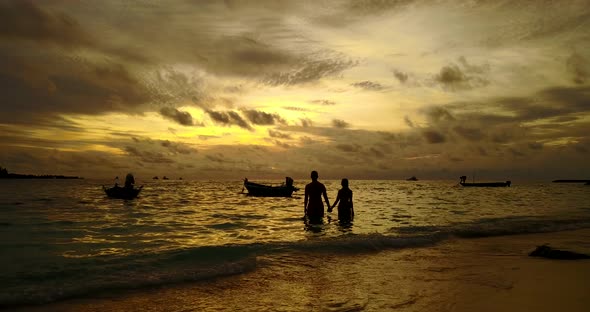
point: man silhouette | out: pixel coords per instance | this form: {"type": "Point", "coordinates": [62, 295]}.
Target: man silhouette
{"type": "Point", "coordinates": [313, 206]}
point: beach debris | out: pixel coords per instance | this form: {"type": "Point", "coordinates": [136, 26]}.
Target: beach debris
{"type": "Point", "coordinates": [550, 253]}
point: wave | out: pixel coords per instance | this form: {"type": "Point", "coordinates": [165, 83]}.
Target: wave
{"type": "Point", "coordinates": [75, 277]}
{"type": "Point", "coordinates": [490, 227]}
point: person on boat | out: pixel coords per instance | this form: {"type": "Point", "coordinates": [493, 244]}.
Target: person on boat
{"type": "Point", "coordinates": [129, 180]}
{"type": "Point", "coordinates": [345, 208]}
{"type": "Point", "coordinates": [313, 206]}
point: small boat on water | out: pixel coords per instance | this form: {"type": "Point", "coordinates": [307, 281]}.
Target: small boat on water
{"type": "Point", "coordinates": [412, 178]}
{"type": "Point", "coordinates": [264, 190]}
{"type": "Point", "coordinates": [122, 192]}
{"type": "Point", "coordinates": [483, 184]}
{"type": "Point", "coordinates": [571, 181]}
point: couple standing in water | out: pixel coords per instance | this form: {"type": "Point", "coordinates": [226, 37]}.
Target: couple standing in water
{"type": "Point", "coordinates": [314, 207]}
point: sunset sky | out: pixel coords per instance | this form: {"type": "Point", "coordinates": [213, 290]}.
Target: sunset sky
{"type": "Point", "coordinates": [363, 89]}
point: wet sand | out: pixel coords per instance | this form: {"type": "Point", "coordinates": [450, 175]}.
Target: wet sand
{"type": "Point", "coordinates": [484, 274]}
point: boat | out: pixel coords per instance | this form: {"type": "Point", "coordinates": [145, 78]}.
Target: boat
{"type": "Point", "coordinates": [264, 190]}
{"type": "Point", "coordinates": [483, 184]}
{"type": "Point", "coordinates": [571, 181]}
{"type": "Point", "coordinates": [412, 178]}
{"type": "Point", "coordinates": [122, 192]}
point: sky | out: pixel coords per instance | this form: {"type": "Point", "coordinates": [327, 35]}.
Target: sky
{"type": "Point", "coordinates": [364, 89]}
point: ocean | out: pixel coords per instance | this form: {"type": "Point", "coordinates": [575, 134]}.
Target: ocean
{"type": "Point", "coordinates": [62, 239]}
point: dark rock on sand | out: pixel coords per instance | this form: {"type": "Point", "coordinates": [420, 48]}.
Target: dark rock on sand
{"type": "Point", "coordinates": [550, 253]}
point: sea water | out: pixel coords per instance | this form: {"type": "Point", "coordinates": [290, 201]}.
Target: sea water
{"type": "Point", "coordinates": [64, 238]}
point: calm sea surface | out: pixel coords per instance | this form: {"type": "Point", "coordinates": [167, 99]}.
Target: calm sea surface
{"type": "Point", "coordinates": [65, 238]}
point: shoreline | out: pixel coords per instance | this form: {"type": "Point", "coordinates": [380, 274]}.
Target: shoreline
{"type": "Point", "coordinates": [476, 274]}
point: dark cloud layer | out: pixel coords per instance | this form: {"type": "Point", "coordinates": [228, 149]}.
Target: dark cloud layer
{"type": "Point", "coordinates": [177, 147]}
{"type": "Point", "coordinates": [147, 156]}
{"type": "Point", "coordinates": [261, 118]}
{"type": "Point", "coordinates": [337, 123]}
{"type": "Point", "coordinates": [60, 59]}
{"type": "Point", "coordinates": [183, 118]}
{"type": "Point", "coordinates": [22, 20]}
{"type": "Point", "coordinates": [229, 118]}
{"type": "Point", "coordinates": [42, 87]}
{"type": "Point", "coordinates": [278, 134]}
{"type": "Point", "coordinates": [369, 85]}
{"type": "Point", "coordinates": [433, 137]}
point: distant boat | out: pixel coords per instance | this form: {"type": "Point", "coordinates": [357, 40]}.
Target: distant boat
{"type": "Point", "coordinates": [282, 190]}
{"type": "Point", "coordinates": [165, 178]}
{"type": "Point", "coordinates": [122, 192]}
{"type": "Point", "coordinates": [155, 178]}
{"type": "Point", "coordinates": [483, 184]}
{"type": "Point", "coordinates": [412, 178]}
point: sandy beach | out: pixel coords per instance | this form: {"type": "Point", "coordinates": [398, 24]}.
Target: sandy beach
{"type": "Point", "coordinates": [480, 274]}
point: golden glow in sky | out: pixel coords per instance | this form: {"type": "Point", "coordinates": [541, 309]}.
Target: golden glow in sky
{"type": "Point", "coordinates": [366, 89]}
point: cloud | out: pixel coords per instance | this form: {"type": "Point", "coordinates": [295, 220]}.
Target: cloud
{"type": "Point", "coordinates": [23, 20]}
{"type": "Point", "coordinates": [38, 85]}
{"type": "Point", "coordinates": [400, 76]}
{"type": "Point", "coordinates": [296, 109]}
{"type": "Point", "coordinates": [148, 156]}
{"type": "Point", "coordinates": [579, 68]}
{"type": "Point", "coordinates": [433, 137]}
{"type": "Point", "coordinates": [177, 147]}
{"type": "Point", "coordinates": [464, 76]}
{"type": "Point", "coordinates": [262, 118]}
{"type": "Point", "coordinates": [408, 122]}
{"type": "Point", "coordinates": [536, 146]}
{"type": "Point", "coordinates": [438, 114]}
{"type": "Point", "coordinates": [516, 153]}
{"type": "Point", "coordinates": [168, 87]}
{"type": "Point", "coordinates": [451, 75]}
{"type": "Point", "coordinates": [323, 102]}
{"type": "Point", "coordinates": [229, 118]}
{"type": "Point", "coordinates": [368, 85]}
{"type": "Point", "coordinates": [183, 118]}
{"type": "Point", "coordinates": [471, 134]}
{"type": "Point", "coordinates": [281, 144]}
{"type": "Point", "coordinates": [376, 6]}
{"type": "Point", "coordinates": [306, 122]}
{"type": "Point", "coordinates": [337, 123]}
{"type": "Point", "coordinates": [349, 148]}
{"type": "Point", "coordinates": [548, 103]}
{"type": "Point", "coordinates": [309, 71]}
{"type": "Point", "coordinates": [278, 134]}
{"type": "Point", "coordinates": [376, 152]}
{"type": "Point", "coordinates": [216, 158]}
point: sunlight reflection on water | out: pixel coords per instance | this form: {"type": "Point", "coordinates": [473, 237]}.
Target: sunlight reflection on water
{"type": "Point", "coordinates": [77, 219]}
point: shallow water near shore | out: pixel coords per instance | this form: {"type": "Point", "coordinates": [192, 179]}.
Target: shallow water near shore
{"type": "Point", "coordinates": [67, 240]}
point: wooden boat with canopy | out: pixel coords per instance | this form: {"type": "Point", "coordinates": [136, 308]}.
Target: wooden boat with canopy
{"type": "Point", "coordinates": [269, 190]}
